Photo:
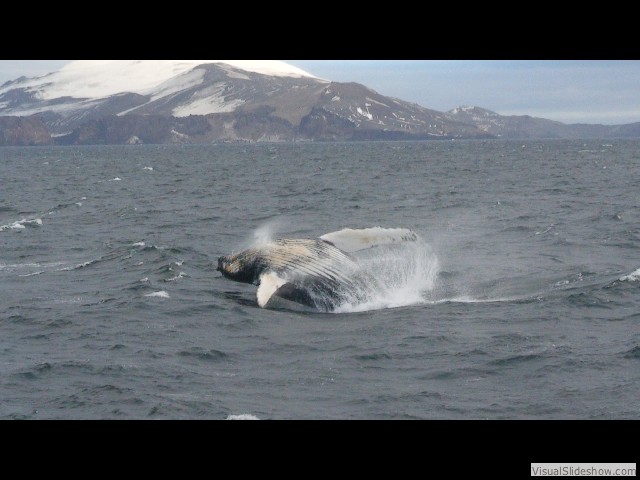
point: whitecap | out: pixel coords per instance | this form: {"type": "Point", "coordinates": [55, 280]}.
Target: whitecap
{"type": "Point", "coordinates": [29, 266]}
{"type": "Point", "coordinates": [469, 299]}
{"type": "Point", "coordinates": [84, 264]}
{"type": "Point", "coordinates": [21, 224]}
{"type": "Point", "coordinates": [242, 416]}
{"type": "Point", "coordinates": [12, 226]}
{"type": "Point", "coordinates": [139, 244]}
{"type": "Point", "coordinates": [32, 274]}
{"type": "Point", "coordinates": [632, 277]}
{"type": "Point", "coordinates": [117, 179]}
{"type": "Point", "coordinates": [177, 277]}
{"type": "Point", "coordinates": [18, 265]}
{"type": "Point", "coordinates": [148, 168]}
{"type": "Point", "coordinates": [161, 294]}
{"type": "Point", "coordinates": [78, 266]}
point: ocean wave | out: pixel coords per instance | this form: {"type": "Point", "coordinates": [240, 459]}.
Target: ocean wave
{"type": "Point", "coordinates": [160, 294]}
{"type": "Point", "coordinates": [39, 272]}
{"type": "Point", "coordinates": [632, 277]}
{"type": "Point", "coordinates": [177, 277]}
{"type": "Point", "coordinates": [470, 299]}
{"type": "Point", "coordinates": [79, 266]}
{"type": "Point", "coordinates": [524, 357]}
{"type": "Point", "coordinates": [16, 266]}
{"type": "Point", "coordinates": [242, 416]}
{"type": "Point", "coordinates": [201, 354]}
{"type": "Point", "coordinates": [29, 268]}
{"type": "Point", "coordinates": [633, 353]}
{"type": "Point", "coordinates": [21, 224]}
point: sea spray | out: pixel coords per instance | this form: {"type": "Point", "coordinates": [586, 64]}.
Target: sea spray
{"type": "Point", "coordinates": [266, 232]}
{"type": "Point", "coordinates": [402, 274]}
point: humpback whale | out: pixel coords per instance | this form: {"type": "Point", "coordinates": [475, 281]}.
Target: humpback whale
{"type": "Point", "coordinates": [319, 274]}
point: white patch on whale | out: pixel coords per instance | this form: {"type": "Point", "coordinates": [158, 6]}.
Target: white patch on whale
{"type": "Point", "coordinates": [351, 240]}
{"type": "Point", "coordinates": [269, 284]}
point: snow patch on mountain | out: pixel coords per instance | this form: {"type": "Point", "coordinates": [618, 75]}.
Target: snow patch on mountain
{"type": "Point", "coordinates": [483, 119]}
{"type": "Point", "coordinates": [103, 78]}
{"type": "Point", "coordinates": [463, 108]}
{"type": "Point", "coordinates": [206, 101]}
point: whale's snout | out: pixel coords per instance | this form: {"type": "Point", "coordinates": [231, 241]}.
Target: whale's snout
{"type": "Point", "coordinates": [239, 267]}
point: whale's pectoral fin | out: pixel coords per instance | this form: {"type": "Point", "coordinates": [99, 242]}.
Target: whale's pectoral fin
{"type": "Point", "coordinates": [273, 287]}
{"type": "Point", "coordinates": [352, 240]}
{"type": "Point", "coordinates": [269, 284]}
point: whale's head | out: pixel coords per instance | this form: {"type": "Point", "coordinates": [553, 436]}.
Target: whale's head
{"type": "Point", "coordinates": [244, 267]}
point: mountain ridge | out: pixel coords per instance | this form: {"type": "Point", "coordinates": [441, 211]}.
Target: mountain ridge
{"type": "Point", "coordinates": [526, 126]}
{"type": "Point", "coordinates": [123, 102]}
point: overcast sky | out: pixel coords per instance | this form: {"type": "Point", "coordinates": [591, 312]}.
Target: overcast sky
{"type": "Point", "coordinates": [590, 91]}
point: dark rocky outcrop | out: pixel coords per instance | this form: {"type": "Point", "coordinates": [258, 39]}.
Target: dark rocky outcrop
{"type": "Point", "coordinates": [21, 131]}
{"type": "Point", "coordinates": [136, 129]}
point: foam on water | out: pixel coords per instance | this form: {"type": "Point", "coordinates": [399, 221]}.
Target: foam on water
{"type": "Point", "coordinates": [177, 277]}
{"type": "Point", "coordinates": [21, 224]}
{"type": "Point", "coordinates": [21, 267]}
{"type": "Point", "coordinates": [469, 299]}
{"type": "Point", "coordinates": [79, 266]}
{"type": "Point", "coordinates": [18, 265]}
{"type": "Point", "coordinates": [242, 416]}
{"type": "Point", "coordinates": [39, 272]}
{"type": "Point", "coordinates": [632, 277]}
{"type": "Point", "coordinates": [160, 294]}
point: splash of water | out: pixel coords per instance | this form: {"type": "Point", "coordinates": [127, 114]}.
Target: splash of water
{"type": "Point", "coordinates": [401, 276]}
{"type": "Point", "coordinates": [632, 277]}
{"type": "Point", "coordinates": [387, 276]}
{"type": "Point", "coordinates": [267, 232]}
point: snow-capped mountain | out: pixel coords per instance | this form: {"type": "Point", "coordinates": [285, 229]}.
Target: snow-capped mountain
{"type": "Point", "coordinates": [89, 84]}
{"type": "Point", "coordinates": [160, 101]}
{"type": "Point", "coordinates": [202, 101]}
